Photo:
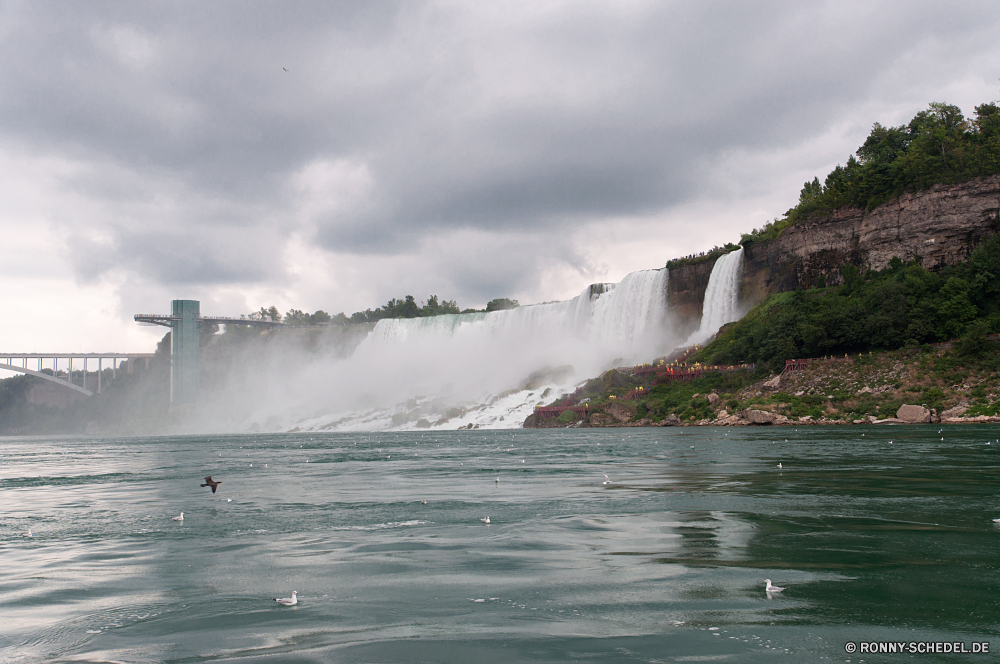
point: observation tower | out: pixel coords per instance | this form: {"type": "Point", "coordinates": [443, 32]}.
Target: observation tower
{"type": "Point", "coordinates": [185, 321]}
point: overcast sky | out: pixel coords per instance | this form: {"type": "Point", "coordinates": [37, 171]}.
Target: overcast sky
{"type": "Point", "coordinates": [325, 155]}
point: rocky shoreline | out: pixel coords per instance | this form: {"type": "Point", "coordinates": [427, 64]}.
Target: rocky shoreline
{"type": "Point", "coordinates": [928, 385]}
{"type": "Point", "coordinates": [754, 417]}
{"type": "Point", "coordinates": [765, 418]}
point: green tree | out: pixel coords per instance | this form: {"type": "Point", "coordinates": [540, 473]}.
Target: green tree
{"type": "Point", "coordinates": [296, 317]}
{"type": "Point", "coordinates": [502, 303]}
{"type": "Point", "coordinates": [409, 308]}
{"type": "Point", "coordinates": [270, 313]}
{"type": "Point", "coordinates": [955, 309]}
{"type": "Point", "coordinates": [974, 342]}
{"type": "Point", "coordinates": [810, 191]}
{"type": "Point", "coordinates": [321, 318]}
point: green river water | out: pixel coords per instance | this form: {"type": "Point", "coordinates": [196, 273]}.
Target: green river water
{"type": "Point", "coordinates": [874, 542]}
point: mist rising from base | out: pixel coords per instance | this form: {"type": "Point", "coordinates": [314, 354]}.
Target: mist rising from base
{"type": "Point", "coordinates": [485, 369]}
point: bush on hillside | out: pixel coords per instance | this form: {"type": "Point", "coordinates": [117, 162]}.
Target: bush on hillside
{"type": "Point", "coordinates": [885, 310]}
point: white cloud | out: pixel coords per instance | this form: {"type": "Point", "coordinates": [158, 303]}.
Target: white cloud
{"type": "Point", "coordinates": [519, 149]}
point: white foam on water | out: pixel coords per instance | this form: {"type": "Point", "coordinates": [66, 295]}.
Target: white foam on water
{"type": "Point", "coordinates": [383, 526]}
{"type": "Point", "coordinates": [475, 364]}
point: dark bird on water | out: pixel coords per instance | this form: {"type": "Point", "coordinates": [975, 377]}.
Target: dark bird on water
{"type": "Point", "coordinates": [212, 483]}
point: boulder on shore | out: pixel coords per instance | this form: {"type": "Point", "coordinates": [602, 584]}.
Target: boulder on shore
{"type": "Point", "coordinates": [773, 383]}
{"type": "Point", "coordinates": [619, 411]}
{"type": "Point", "coordinates": [759, 417]}
{"type": "Point", "coordinates": [671, 421]}
{"type": "Point", "coordinates": [957, 411]}
{"type": "Point", "coordinates": [912, 414]}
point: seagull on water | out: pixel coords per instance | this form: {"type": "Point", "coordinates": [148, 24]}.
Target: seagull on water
{"type": "Point", "coordinates": [771, 589]}
{"type": "Point", "coordinates": [485, 519]}
{"type": "Point", "coordinates": [178, 518]}
{"type": "Point", "coordinates": [29, 533]}
{"type": "Point", "coordinates": [288, 601]}
{"type": "Point", "coordinates": [212, 483]}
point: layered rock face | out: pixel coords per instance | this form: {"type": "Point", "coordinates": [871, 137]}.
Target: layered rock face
{"type": "Point", "coordinates": [938, 227]}
{"type": "Point", "coordinates": [686, 287]}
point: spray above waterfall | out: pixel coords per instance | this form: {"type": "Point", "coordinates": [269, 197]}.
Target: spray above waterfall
{"type": "Point", "coordinates": [490, 367]}
{"type": "Point", "coordinates": [721, 297]}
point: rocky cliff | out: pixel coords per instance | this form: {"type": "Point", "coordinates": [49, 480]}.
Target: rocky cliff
{"type": "Point", "coordinates": [938, 227]}
{"type": "Point", "coordinates": [686, 293]}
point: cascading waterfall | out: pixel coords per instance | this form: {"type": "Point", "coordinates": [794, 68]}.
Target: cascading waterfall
{"type": "Point", "coordinates": [618, 320]}
{"type": "Point", "coordinates": [488, 369]}
{"type": "Point", "coordinates": [721, 297]}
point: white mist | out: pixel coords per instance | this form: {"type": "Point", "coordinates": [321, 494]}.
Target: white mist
{"type": "Point", "coordinates": [479, 361]}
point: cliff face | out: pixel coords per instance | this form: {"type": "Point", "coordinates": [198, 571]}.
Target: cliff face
{"type": "Point", "coordinates": [938, 227]}
{"type": "Point", "coordinates": [686, 289]}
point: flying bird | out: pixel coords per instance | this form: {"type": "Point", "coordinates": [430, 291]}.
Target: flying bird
{"type": "Point", "coordinates": [288, 601]}
{"type": "Point", "coordinates": [212, 483]}
{"type": "Point", "coordinates": [607, 480]}
{"type": "Point", "coordinates": [284, 68]}
{"type": "Point", "coordinates": [771, 589]}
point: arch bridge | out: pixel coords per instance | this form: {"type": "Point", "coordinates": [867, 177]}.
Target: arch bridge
{"type": "Point", "coordinates": [19, 362]}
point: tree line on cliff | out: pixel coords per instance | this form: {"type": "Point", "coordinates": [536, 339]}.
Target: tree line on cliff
{"type": "Point", "coordinates": [903, 304]}
{"type": "Point", "coordinates": [938, 146]}
{"type": "Point", "coordinates": [404, 308]}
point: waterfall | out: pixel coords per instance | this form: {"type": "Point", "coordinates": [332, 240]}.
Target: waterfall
{"type": "Point", "coordinates": [721, 297]}
{"type": "Point", "coordinates": [610, 320]}
{"type": "Point", "coordinates": [490, 368]}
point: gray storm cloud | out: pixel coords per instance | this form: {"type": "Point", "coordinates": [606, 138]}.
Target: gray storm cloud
{"type": "Point", "coordinates": [206, 135]}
